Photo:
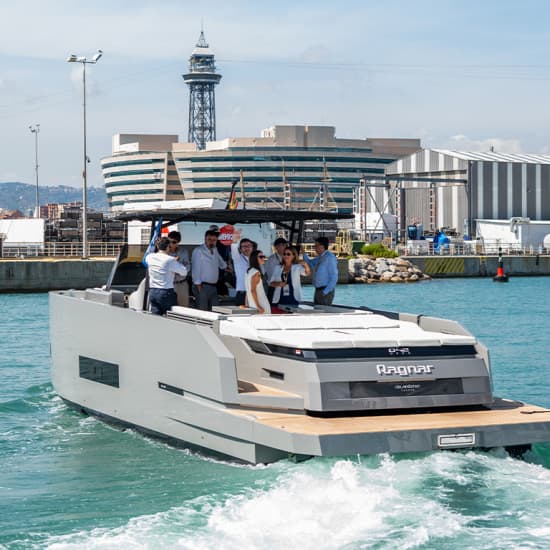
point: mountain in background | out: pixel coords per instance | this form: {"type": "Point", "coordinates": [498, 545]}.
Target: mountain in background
{"type": "Point", "coordinates": [22, 196]}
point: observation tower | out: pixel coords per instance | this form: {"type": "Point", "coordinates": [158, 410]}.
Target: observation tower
{"type": "Point", "coordinates": [201, 79]}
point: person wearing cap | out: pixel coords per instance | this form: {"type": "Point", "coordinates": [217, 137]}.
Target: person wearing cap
{"type": "Point", "coordinates": [205, 265]}
{"type": "Point", "coordinates": [274, 262]}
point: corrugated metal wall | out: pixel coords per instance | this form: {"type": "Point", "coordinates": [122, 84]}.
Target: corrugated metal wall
{"type": "Point", "coordinates": [427, 161]}
{"type": "Point", "coordinates": [499, 190]}
{"type": "Point", "coordinates": [503, 190]}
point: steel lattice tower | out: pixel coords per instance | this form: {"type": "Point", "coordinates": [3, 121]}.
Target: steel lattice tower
{"type": "Point", "coordinates": [201, 79]}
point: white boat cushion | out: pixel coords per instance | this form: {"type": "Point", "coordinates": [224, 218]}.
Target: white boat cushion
{"type": "Point", "coordinates": [335, 331]}
{"type": "Point", "coordinates": [197, 313]}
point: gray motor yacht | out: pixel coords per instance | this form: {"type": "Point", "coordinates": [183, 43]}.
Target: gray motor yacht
{"type": "Point", "coordinates": [316, 381]}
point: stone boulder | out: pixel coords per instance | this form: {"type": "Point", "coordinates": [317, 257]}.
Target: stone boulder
{"type": "Point", "coordinates": [366, 269]}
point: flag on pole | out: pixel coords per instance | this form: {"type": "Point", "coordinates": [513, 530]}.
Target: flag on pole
{"type": "Point", "coordinates": [233, 202]}
{"type": "Point", "coordinates": [153, 241]}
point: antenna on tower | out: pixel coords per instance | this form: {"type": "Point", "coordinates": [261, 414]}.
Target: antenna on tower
{"type": "Point", "coordinates": [202, 43]}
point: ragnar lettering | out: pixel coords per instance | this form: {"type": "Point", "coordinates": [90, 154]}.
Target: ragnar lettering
{"type": "Point", "coordinates": [403, 370]}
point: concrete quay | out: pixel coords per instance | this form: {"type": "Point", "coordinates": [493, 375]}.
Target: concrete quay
{"type": "Point", "coordinates": [43, 274]}
{"type": "Point", "coordinates": [481, 266]}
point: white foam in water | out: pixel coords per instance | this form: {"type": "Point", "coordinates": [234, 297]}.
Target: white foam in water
{"type": "Point", "coordinates": [160, 530]}
{"type": "Point", "coordinates": [443, 500]}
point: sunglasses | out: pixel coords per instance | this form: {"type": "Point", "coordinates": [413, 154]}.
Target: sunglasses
{"type": "Point", "coordinates": [261, 256]}
{"type": "Point", "coordinates": [288, 254]}
{"type": "Point", "coordinates": [173, 242]}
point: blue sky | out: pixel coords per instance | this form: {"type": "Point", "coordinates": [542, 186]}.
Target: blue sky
{"type": "Point", "coordinates": [461, 74]}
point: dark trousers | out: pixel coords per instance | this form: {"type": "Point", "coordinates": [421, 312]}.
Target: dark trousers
{"type": "Point", "coordinates": [240, 297]}
{"type": "Point", "coordinates": [322, 299]}
{"type": "Point", "coordinates": [207, 297]}
{"type": "Point", "coordinates": [162, 299]}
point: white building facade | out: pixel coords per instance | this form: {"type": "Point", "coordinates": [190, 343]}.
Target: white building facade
{"type": "Point", "coordinates": [301, 167]}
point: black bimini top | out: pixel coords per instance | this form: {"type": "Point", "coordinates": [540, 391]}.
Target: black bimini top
{"type": "Point", "coordinates": [252, 215]}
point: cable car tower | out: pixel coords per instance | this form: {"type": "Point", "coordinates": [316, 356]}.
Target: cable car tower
{"type": "Point", "coordinates": [201, 79]}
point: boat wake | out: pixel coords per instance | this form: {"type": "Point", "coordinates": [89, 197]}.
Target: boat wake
{"type": "Point", "coordinates": [451, 500]}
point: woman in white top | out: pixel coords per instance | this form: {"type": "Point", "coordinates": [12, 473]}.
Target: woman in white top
{"type": "Point", "coordinates": [241, 262]}
{"type": "Point", "coordinates": [286, 279]}
{"type": "Point", "coordinates": [255, 293]}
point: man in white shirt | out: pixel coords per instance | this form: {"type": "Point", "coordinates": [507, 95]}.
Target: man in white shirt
{"type": "Point", "coordinates": [161, 269]}
{"type": "Point", "coordinates": [274, 262]}
{"type": "Point", "coordinates": [205, 265]}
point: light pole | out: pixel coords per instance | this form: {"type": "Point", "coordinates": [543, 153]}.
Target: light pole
{"type": "Point", "coordinates": [80, 59]}
{"type": "Point", "coordinates": [36, 130]}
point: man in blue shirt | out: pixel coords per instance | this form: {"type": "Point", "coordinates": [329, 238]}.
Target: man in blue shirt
{"type": "Point", "coordinates": [325, 272]}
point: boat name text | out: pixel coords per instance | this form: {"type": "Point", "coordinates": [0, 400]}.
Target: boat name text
{"type": "Point", "coordinates": [403, 370]}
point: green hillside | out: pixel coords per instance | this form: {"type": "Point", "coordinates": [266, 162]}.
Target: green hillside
{"type": "Point", "coordinates": [21, 196]}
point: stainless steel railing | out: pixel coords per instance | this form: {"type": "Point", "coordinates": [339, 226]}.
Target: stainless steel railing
{"type": "Point", "coordinates": [469, 248]}
{"type": "Point", "coordinates": [61, 249]}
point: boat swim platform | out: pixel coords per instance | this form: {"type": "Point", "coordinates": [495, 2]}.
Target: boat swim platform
{"type": "Point", "coordinates": [506, 423]}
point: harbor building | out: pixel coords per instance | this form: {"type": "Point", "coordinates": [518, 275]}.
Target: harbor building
{"type": "Point", "coordinates": [298, 167]}
{"type": "Point", "coordinates": [141, 169]}
{"type": "Point", "coordinates": [452, 189]}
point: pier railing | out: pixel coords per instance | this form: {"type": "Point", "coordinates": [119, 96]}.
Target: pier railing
{"type": "Point", "coordinates": [412, 248]}
{"type": "Point", "coordinates": [469, 248]}
{"type": "Point", "coordinates": [61, 249]}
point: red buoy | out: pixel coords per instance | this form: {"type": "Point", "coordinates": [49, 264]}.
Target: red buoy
{"type": "Point", "coordinates": [500, 277]}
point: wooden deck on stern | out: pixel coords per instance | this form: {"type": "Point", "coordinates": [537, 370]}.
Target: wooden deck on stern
{"type": "Point", "coordinates": [503, 413]}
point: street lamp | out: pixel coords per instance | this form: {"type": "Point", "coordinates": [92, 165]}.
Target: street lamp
{"type": "Point", "coordinates": [36, 130]}
{"type": "Point", "coordinates": [80, 59]}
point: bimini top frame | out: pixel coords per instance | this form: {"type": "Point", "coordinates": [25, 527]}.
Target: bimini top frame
{"type": "Point", "coordinates": [291, 220]}
{"type": "Point", "coordinates": [252, 215]}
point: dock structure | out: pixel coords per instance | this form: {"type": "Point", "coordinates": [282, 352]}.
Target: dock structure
{"type": "Point", "coordinates": [481, 265]}
{"type": "Point", "coordinates": [44, 274]}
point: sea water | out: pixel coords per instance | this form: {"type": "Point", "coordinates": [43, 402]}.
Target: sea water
{"type": "Point", "coordinates": [70, 481]}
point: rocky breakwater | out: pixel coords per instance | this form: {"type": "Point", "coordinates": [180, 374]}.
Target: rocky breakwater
{"type": "Point", "coordinates": [366, 269]}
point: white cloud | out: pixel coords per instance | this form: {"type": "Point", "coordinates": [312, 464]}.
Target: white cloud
{"type": "Point", "coordinates": [161, 29]}
{"type": "Point", "coordinates": [461, 142]}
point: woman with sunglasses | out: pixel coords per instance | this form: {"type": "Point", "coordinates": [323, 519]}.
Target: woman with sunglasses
{"type": "Point", "coordinates": [286, 279]}
{"type": "Point", "coordinates": [255, 293]}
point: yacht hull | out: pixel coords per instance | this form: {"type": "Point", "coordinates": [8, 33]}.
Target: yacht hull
{"type": "Point", "coordinates": [180, 381]}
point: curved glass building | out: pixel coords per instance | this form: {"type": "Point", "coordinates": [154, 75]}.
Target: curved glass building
{"type": "Point", "coordinates": [298, 167]}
